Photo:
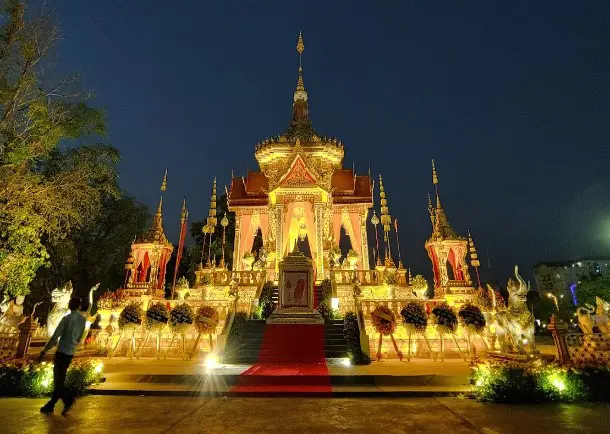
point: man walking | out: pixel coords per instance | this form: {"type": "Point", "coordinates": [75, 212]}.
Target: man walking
{"type": "Point", "coordinates": [69, 333]}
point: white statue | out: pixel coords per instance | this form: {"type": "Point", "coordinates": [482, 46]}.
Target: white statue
{"type": "Point", "coordinates": [516, 322]}
{"type": "Point", "coordinates": [601, 318]}
{"type": "Point", "coordinates": [13, 315]}
{"type": "Point", "coordinates": [61, 298]}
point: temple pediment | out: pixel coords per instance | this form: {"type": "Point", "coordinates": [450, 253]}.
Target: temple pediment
{"type": "Point", "coordinates": [298, 175]}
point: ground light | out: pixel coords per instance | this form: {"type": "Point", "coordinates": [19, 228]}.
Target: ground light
{"type": "Point", "coordinates": [211, 361]}
{"type": "Point", "coordinates": [346, 361]}
{"type": "Point", "coordinates": [99, 367]}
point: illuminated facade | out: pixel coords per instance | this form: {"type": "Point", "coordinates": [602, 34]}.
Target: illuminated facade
{"type": "Point", "coordinates": [301, 192]}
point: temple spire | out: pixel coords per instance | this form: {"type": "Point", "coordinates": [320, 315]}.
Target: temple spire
{"type": "Point", "coordinates": [441, 229]}
{"type": "Point", "coordinates": [300, 108]}
{"type": "Point", "coordinates": [156, 234]}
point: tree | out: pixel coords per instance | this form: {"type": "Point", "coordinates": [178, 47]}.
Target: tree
{"type": "Point", "coordinates": [45, 193]}
{"type": "Point", "coordinates": [591, 287]}
{"type": "Point", "coordinates": [94, 253]}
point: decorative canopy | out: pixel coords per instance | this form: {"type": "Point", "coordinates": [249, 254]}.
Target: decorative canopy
{"type": "Point", "coordinates": [441, 229]}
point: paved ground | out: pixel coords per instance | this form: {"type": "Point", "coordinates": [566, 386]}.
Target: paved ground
{"type": "Point", "coordinates": [102, 414]}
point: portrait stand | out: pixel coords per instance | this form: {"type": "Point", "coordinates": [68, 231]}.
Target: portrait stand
{"type": "Point", "coordinates": [295, 292]}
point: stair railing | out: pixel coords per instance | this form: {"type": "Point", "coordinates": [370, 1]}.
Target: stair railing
{"type": "Point", "coordinates": [364, 339]}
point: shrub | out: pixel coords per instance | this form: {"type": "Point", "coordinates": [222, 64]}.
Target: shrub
{"type": "Point", "coordinates": [352, 337]}
{"type": "Point", "coordinates": [265, 303]}
{"type": "Point", "coordinates": [23, 377]}
{"type": "Point", "coordinates": [512, 382]}
{"type": "Point", "coordinates": [325, 303]}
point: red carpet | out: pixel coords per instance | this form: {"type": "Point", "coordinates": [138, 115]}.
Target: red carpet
{"type": "Point", "coordinates": [291, 360]}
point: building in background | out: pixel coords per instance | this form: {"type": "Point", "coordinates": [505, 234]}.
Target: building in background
{"type": "Point", "coordinates": [561, 278]}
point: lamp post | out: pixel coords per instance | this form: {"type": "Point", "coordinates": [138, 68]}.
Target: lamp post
{"type": "Point", "coordinates": [554, 298]}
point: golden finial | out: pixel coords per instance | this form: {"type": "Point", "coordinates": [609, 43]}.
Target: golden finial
{"type": "Point", "coordinates": [184, 211]}
{"type": "Point", "coordinates": [434, 176]}
{"type": "Point", "coordinates": [212, 220]}
{"type": "Point", "coordinates": [300, 44]}
{"type": "Point", "coordinates": [160, 207]}
{"type": "Point", "coordinates": [474, 257]}
{"type": "Point", "coordinates": [164, 183]}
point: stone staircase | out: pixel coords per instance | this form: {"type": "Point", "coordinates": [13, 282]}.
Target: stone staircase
{"type": "Point", "coordinates": [248, 350]}
{"type": "Point", "coordinates": [335, 345]}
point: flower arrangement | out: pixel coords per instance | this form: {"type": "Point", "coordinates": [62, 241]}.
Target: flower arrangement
{"type": "Point", "coordinates": [131, 316]}
{"type": "Point", "coordinates": [384, 320]}
{"type": "Point", "coordinates": [420, 286]}
{"type": "Point", "coordinates": [389, 277]}
{"type": "Point", "coordinates": [112, 300]}
{"type": "Point", "coordinates": [24, 377]}
{"type": "Point", "coordinates": [206, 320]}
{"type": "Point", "coordinates": [181, 318]}
{"type": "Point", "coordinates": [156, 317]}
{"type": "Point", "coordinates": [471, 317]}
{"type": "Point", "coordinates": [248, 260]}
{"type": "Point", "coordinates": [414, 317]}
{"type": "Point", "coordinates": [443, 316]}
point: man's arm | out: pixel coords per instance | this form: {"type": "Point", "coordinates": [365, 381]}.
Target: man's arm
{"type": "Point", "coordinates": [56, 334]}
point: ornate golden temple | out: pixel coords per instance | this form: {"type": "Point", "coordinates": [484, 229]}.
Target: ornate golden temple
{"type": "Point", "coordinates": [303, 194]}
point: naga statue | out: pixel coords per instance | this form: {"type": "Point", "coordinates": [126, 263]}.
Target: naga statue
{"type": "Point", "coordinates": [515, 324]}
{"type": "Point", "coordinates": [592, 320]}
{"type": "Point", "coordinates": [61, 298]}
{"type": "Point", "coordinates": [12, 315]}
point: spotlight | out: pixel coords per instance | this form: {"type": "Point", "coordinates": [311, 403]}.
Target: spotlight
{"type": "Point", "coordinates": [99, 367]}
{"type": "Point", "coordinates": [334, 303]}
{"type": "Point", "coordinates": [211, 361]}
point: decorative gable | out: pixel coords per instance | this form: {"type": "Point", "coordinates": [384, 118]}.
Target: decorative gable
{"type": "Point", "coordinates": [298, 175]}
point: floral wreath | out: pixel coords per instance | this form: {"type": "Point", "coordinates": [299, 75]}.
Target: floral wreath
{"type": "Point", "coordinates": [156, 317]}
{"type": "Point", "coordinates": [414, 317]}
{"type": "Point", "coordinates": [131, 316]}
{"type": "Point", "coordinates": [206, 319]}
{"type": "Point", "coordinates": [181, 318]}
{"type": "Point", "coordinates": [445, 319]}
{"type": "Point", "coordinates": [472, 318]}
{"type": "Point", "coordinates": [384, 320]}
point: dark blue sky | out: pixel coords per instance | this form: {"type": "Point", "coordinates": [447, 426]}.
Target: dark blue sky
{"type": "Point", "coordinates": [512, 100]}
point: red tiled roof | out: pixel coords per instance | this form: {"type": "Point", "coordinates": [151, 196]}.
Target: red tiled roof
{"type": "Point", "coordinates": [346, 189]}
{"type": "Point", "coordinates": [239, 195]}
{"type": "Point", "coordinates": [256, 183]}
{"type": "Point", "coordinates": [342, 181]}
{"type": "Point", "coordinates": [360, 192]}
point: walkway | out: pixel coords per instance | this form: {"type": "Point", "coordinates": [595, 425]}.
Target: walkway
{"type": "Point", "coordinates": [121, 414]}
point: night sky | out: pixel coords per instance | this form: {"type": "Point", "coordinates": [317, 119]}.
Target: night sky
{"type": "Point", "coordinates": [512, 101]}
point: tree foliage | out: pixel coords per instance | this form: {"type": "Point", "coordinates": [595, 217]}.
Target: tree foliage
{"type": "Point", "coordinates": [591, 287]}
{"type": "Point", "coordinates": [45, 192]}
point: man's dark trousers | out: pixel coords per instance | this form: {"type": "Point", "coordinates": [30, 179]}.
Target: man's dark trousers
{"type": "Point", "coordinates": [62, 362]}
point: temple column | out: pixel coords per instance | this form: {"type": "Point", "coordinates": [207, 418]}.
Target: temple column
{"type": "Point", "coordinates": [237, 243]}
{"type": "Point", "coordinates": [364, 240]}
{"type": "Point", "coordinates": [319, 228]}
{"type": "Point", "coordinates": [279, 238]}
